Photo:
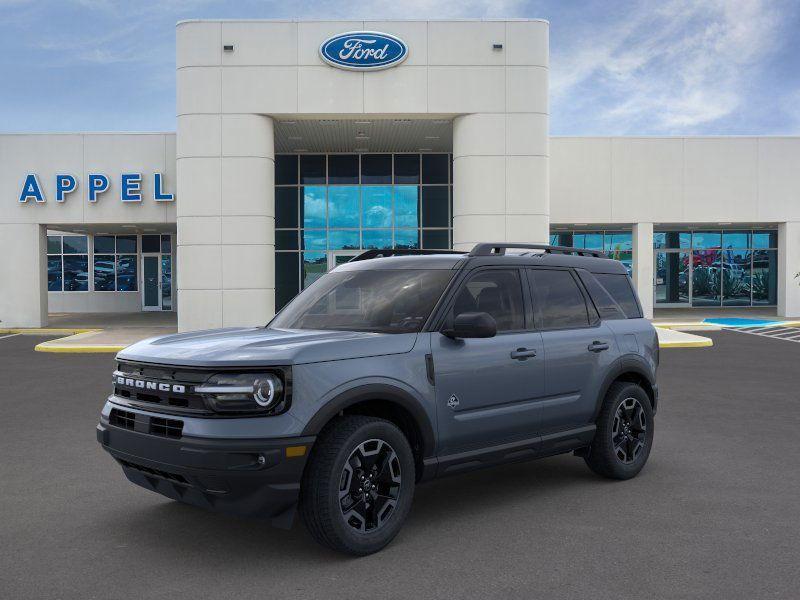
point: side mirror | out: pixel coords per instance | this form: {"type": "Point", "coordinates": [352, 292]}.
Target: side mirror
{"type": "Point", "coordinates": [472, 325]}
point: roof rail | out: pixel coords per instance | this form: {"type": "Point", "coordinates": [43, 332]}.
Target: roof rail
{"type": "Point", "coordinates": [376, 253]}
{"type": "Point", "coordinates": [499, 248]}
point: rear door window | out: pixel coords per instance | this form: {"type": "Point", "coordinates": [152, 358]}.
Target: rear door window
{"type": "Point", "coordinates": [621, 290]}
{"type": "Point", "coordinates": [559, 302]}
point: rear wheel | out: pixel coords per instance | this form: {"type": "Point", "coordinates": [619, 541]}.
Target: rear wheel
{"type": "Point", "coordinates": [358, 486]}
{"type": "Point", "coordinates": [624, 434]}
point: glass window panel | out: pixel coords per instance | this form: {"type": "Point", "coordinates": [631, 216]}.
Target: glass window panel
{"type": "Point", "coordinates": [286, 169]}
{"type": "Point", "coordinates": [436, 239]}
{"type": "Point", "coordinates": [592, 241]}
{"type": "Point", "coordinates": [672, 278]}
{"type": "Point", "coordinates": [314, 239]}
{"type": "Point", "coordinates": [617, 241]}
{"type": "Point", "coordinates": [561, 239]}
{"type": "Point", "coordinates": [104, 244]}
{"type": "Point", "coordinates": [104, 272]}
{"type": "Point", "coordinates": [434, 168]}
{"type": "Point", "coordinates": [286, 207]}
{"type": "Point", "coordinates": [736, 239]}
{"type": "Point", "coordinates": [54, 244]}
{"type": "Point", "coordinates": [313, 207]}
{"type": "Point", "coordinates": [406, 238]}
{"type": "Point", "coordinates": [76, 273]}
{"type": "Point", "coordinates": [406, 168]}
{"type": "Point", "coordinates": [376, 204]}
{"type": "Point", "coordinates": [497, 292]}
{"type": "Point", "coordinates": [343, 206]}
{"type": "Point", "coordinates": [765, 239]}
{"type": "Point", "coordinates": [54, 280]}
{"type": "Point", "coordinates": [150, 243]}
{"type": "Point", "coordinates": [376, 168]}
{"type": "Point", "coordinates": [706, 277]}
{"type": "Point", "coordinates": [315, 265]}
{"type": "Point", "coordinates": [343, 168]}
{"type": "Point", "coordinates": [434, 207]}
{"type": "Point", "coordinates": [736, 277]}
{"type": "Point", "coordinates": [706, 239]}
{"type": "Point", "coordinates": [126, 274]}
{"type": "Point", "coordinates": [765, 277]}
{"type": "Point", "coordinates": [560, 301]}
{"type": "Point", "coordinates": [406, 206]}
{"type": "Point", "coordinates": [621, 290]}
{"type": "Point", "coordinates": [287, 277]}
{"type": "Point", "coordinates": [377, 238]}
{"type": "Point", "coordinates": [343, 239]}
{"type": "Point", "coordinates": [286, 239]}
{"type": "Point", "coordinates": [166, 282]}
{"type": "Point", "coordinates": [312, 168]}
{"type": "Point", "coordinates": [75, 244]}
{"type": "Point", "coordinates": [166, 244]}
{"type": "Point", "coordinates": [672, 239]}
{"type": "Point", "coordinates": [126, 244]}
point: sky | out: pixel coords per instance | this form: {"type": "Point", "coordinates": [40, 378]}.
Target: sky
{"type": "Point", "coordinates": [617, 67]}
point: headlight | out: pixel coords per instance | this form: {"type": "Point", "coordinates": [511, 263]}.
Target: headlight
{"type": "Point", "coordinates": [244, 392]}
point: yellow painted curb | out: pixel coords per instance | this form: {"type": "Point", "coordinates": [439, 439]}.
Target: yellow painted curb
{"type": "Point", "coordinates": [46, 347]}
{"type": "Point", "coordinates": [704, 343]}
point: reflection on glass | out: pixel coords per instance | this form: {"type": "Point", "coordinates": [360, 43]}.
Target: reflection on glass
{"type": "Point", "coordinates": [588, 240]}
{"type": "Point", "coordinates": [346, 239]}
{"type": "Point", "coordinates": [126, 244]}
{"type": "Point", "coordinates": [54, 244]}
{"type": "Point", "coordinates": [435, 239]}
{"type": "Point", "coordinates": [377, 205]}
{"type": "Point", "coordinates": [765, 239]}
{"type": "Point", "coordinates": [104, 272]}
{"type": "Point", "coordinates": [315, 265]}
{"type": "Point", "coordinates": [313, 207]}
{"type": "Point", "coordinates": [166, 244]}
{"type": "Point", "coordinates": [706, 277]}
{"type": "Point", "coordinates": [126, 274]}
{"type": "Point", "coordinates": [406, 206]}
{"type": "Point", "coordinates": [166, 282]}
{"type": "Point", "coordinates": [343, 168]}
{"type": "Point", "coordinates": [562, 239]}
{"type": "Point", "coordinates": [286, 277]}
{"type": "Point", "coordinates": [75, 244]}
{"type": "Point", "coordinates": [672, 278]}
{"type": "Point", "coordinates": [736, 278]}
{"type": "Point", "coordinates": [54, 279]}
{"type": "Point", "coordinates": [377, 238]}
{"type": "Point", "coordinates": [343, 206]}
{"type": "Point", "coordinates": [406, 238]}
{"type": "Point", "coordinates": [314, 239]}
{"type": "Point", "coordinates": [435, 203]}
{"type": "Point", "coordinates": [672, 239]}
{"type": "Point", "coordinates": [104, 244]}
{"type": "Point", "coordinates": [76, 273]}
{"type": "Point", "coordinates": [617, 241]}
{"type": "Point", "coordinates": [706, 239]}
{"type": "Point", "coordinates": [765, 277]}
{"type": "Point", "coordinates": [150, 243]}
{"type": "Point", "coordinates": [736, 239]}
{"type": "Point", "coordinates": [406, 168]}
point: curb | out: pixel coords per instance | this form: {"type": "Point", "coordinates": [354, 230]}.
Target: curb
{"type": "Point", "coordinates": [704, 343]}
{"type": "Point", "coordinates": [62, 349]}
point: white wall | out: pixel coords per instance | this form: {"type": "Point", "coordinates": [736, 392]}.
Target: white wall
{"type": "Point", "coordinates": [226, 101]}
{"type": "Point", "coordinates": [78, 154]}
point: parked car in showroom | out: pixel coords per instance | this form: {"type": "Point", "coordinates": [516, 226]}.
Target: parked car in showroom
{"type": "Point", "coordinates": [392, 369]}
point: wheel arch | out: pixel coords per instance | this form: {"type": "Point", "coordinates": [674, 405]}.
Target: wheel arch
{"type": "Point", "coordinates": [634, 370]}
{"type": "Point", "coordinates": [387, 402]}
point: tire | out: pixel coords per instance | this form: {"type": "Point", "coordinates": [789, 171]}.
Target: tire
{"type": "Point", "coordinates": [624, 433]}
{"type": "Point", "coordinates": [350, 521]}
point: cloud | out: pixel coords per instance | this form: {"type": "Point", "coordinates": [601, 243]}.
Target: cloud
{"type": "Point", "coordinates": [669, 66]}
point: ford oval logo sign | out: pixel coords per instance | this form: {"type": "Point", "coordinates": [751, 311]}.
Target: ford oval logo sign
{"type": "Point", "coordinates": [363, 50]}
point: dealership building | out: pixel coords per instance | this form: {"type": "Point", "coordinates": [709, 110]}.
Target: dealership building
{"type": "Point", "coordinates": [300, 144]}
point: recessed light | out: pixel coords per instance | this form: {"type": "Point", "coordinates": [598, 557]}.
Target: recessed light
{"type": "Point", "coordinates": [361, 136]}
{"type": "Point", "coordinates": [432, 137]}
{"type": "Point", "coordinates": [580, 224]}
{"type": "Point", "coordinates": [361, 149]}
{"type": "Point", "coordinates": [288, 122]}
{"type": "Point", "coordinates": [728, 223]}
{"type": "Point", "coordinates": [426, 149]}
{"type": "Point", "coordinates": [363, 122]}
{"type": "Point", "coordinates": [329, 121]}
{"type": "Point", "coordinates": [128, 226]}
{"type": "Point", "coordinates": [301, 149]}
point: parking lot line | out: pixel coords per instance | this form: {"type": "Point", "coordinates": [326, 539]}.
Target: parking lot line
{"type": "Point", "coordinates": [2, 337]}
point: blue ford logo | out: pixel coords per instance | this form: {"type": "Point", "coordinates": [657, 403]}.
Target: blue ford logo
{"type": "Point", "coordinates": [363, 50]}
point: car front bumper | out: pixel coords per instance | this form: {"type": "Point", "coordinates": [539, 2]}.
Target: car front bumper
{"type": "Point", "coordinates": [244, 477]}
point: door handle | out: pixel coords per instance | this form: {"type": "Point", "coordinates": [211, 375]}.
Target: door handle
{"type": "Point", "coordinates": [522, 353]}
{"type": "Point", "coordinates": [598, 346]}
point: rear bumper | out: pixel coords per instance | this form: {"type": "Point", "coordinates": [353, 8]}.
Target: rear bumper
{"type": "Point", "coordinates": [251, 478]}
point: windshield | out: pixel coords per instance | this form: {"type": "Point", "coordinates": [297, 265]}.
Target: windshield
{"type": "Point", "coordinates": [396, 301]}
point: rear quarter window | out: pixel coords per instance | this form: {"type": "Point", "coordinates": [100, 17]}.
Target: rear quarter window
{"type": "Point", "coordinates": [606, 306]}
{"type": "Point", "coordinates": [618, 285]}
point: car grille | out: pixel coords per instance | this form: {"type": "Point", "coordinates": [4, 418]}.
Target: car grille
{"type": "Point", "coordinates": [170, 428]}
{"type": "Point", "coordinates": [157, 472]}
{"type": "Point", "coordinates": [156, 386]}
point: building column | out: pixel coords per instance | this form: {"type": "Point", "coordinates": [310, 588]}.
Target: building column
{"type": "Point", "coordinates": [501, 190]}
{"type": "Point", "coordinates": [643, 266]}
{"type": "Point", "coordinates": [226, 222]}
{"type": "Point", "coordinates": [23, 301]}
{"type": "Point", "coordinates": [788, 267]}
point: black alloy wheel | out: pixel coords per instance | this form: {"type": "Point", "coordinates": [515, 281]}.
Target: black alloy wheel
{"type": "Point", "coordinates": [370, 485]}
{"type": "Point", "coordinates": [629, 432]}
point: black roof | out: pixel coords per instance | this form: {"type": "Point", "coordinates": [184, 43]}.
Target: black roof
{"type": "Point", "coordinates": [486, 254]}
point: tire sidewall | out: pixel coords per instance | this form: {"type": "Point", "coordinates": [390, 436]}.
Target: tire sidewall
{"type": "Point", "coordinates": [623, 470]}
{"type": "Point", "coordinates": [374, 540]}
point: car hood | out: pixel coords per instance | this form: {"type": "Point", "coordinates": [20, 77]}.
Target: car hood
{"type": "Point", "coordinates": [258, 346]}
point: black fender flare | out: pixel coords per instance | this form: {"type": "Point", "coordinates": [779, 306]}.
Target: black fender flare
{"type": "Point", "coordinates": [631, 363]}
{"type": "Point", "coordinates": [376, 391]}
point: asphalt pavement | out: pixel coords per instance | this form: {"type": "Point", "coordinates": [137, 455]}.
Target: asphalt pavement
{"type": "Point", "coordinates": [714, 514]}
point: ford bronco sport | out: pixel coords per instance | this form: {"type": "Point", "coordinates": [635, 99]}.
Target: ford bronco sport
{"type": "Point", "coordinates": [395, 368]}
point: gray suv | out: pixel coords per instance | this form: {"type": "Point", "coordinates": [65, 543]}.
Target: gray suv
{"type": "Point", "coordinates": [395, 368]}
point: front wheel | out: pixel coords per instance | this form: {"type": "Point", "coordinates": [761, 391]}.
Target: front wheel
{"type": "Point", "coordinates": [624, 433]}
{"type": "Point", "coordinates": [358, 486]}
